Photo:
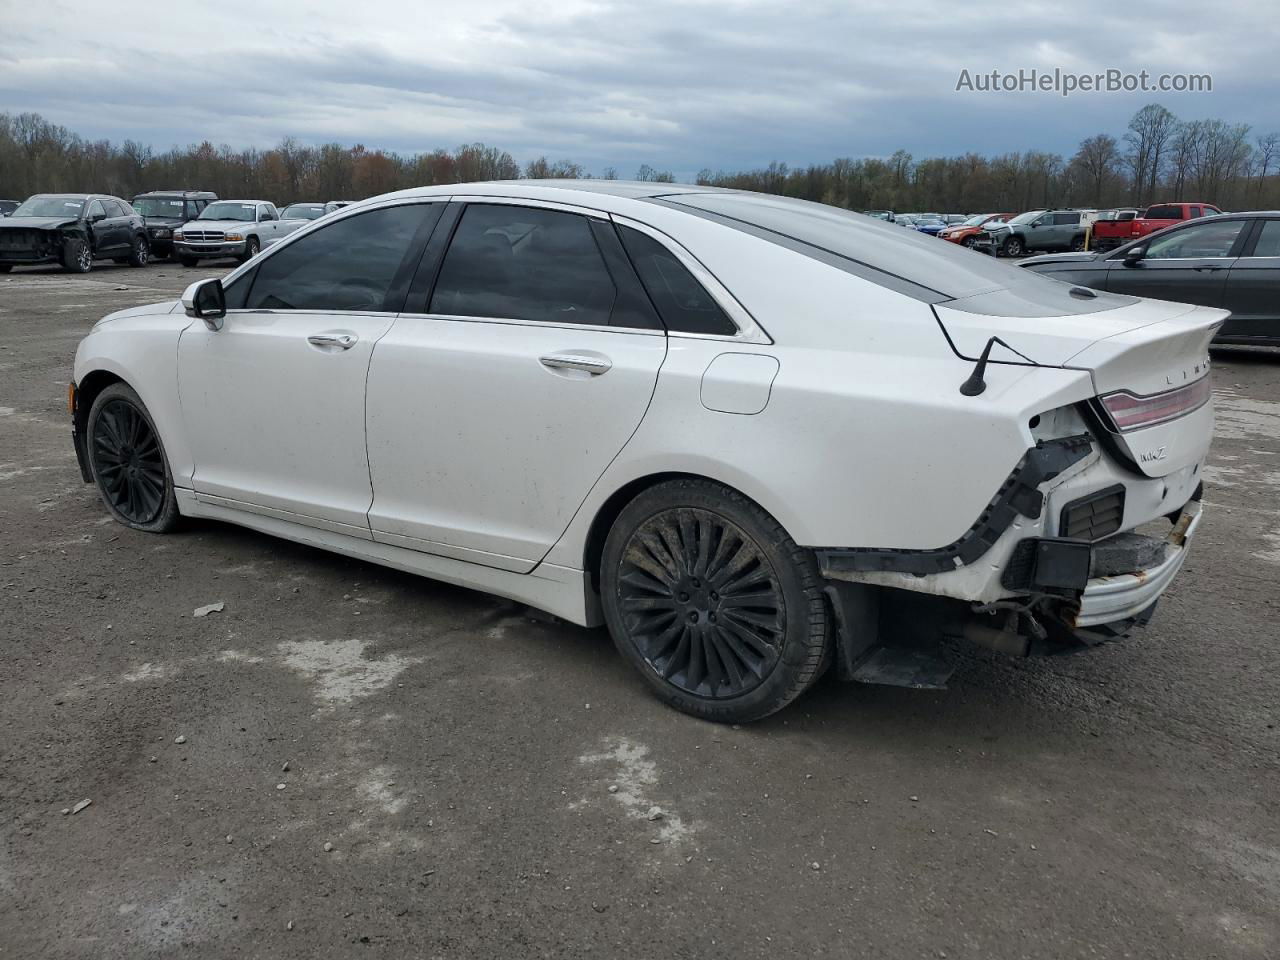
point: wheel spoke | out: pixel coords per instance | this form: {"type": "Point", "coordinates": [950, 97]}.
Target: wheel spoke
{"type": "Point", "coordinates": [701, 602]}
{"type": "Point", "coordinates": [128, 461]}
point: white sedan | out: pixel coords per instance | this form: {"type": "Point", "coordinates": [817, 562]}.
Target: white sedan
{"type": "Point", "coordinates": [756, 437]}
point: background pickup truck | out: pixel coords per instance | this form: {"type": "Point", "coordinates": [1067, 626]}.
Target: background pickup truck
{"type": "Point", "coordinates": [1109, 234]}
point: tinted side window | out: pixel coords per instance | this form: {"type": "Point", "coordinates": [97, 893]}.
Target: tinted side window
{"type": "Point", "coordinates": [1167, 212]}
{"type": "Point", "coordinates": [1268, 244]}
{"type": "Point", "coordinates": [348, 265]}
{"type": "Point", "coordinates": [682, 302]}
{"type": "Point", "coordinates": [523, 263]}
{"type": "Point", "coordinates": [96, 209]}
{"type": "Point", "coordinates": [1066, 219]}
{"type": "Point", "coordinates": [1210, 239]}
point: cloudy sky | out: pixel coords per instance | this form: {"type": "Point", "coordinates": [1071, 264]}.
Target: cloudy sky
{"type": "Point", "coordinates": [678, 84]}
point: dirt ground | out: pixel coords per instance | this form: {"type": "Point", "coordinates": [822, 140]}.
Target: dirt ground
{"type": "Point", "coordinates": [346, 761]}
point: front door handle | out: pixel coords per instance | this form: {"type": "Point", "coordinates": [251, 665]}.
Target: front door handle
{"type": "Point", "coordinates": [571, 361]}
{"type": "Point", "coordinates": [343, 341]}
{"type": "Point", "coordinates": [1208, 268]}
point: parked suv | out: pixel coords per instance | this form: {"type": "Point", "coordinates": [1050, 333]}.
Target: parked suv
{"type": "Point", "coordinates": [166, 210]}
{"type": "Point", "coordinates": [225, 229]}
{"type": "Point", "coordinates": [1045, 230]}
{"type": "Point", "coordinates": [72, 229]}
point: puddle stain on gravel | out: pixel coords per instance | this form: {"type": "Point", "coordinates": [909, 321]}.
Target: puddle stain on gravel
{"type": "Point", "coordinates": [635, 775]}
{"type": "Point", "coordinates": [339, 669]}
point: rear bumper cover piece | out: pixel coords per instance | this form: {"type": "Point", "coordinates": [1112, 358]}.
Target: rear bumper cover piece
{"type": "Point", "coordinates": [1124, 596]}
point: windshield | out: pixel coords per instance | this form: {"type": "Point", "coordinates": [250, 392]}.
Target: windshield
{"type": "Point", "coordinates": [160, 207]}
{"type": "Point", "coordinates": [303, 211]}
{"type": "Point", "coordinates": [1025, 217]}
{"type": "Point", "coordinates": [228, 211]}
{"type": "Point", "coordinates": [50, 207]}
{"type": "Point", "coordinates": [977, 221]}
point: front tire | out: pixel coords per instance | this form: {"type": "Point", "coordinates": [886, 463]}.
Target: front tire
{"type": "Point", "coordinates": [968, 242]}
{"type": "Point", "coordinates": [128, 462]}
{"type": "Point", "coordinates": [188, 261]}
{"type": "Point", "coordinates": [251, 248]}
{"type": "Point", "coordinates": [1013, 247]}
{"type": "Point", "coordinates": [77, 255]}
{"type": "Point", "coordinates": [710, 599]}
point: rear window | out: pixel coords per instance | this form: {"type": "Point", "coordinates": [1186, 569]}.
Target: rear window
{"type": "Point", "coordinates": [1166, 212]}
{"type": "Point", "coordinates": [906, 261]}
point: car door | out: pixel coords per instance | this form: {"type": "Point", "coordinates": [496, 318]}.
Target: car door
{"type": "Point", "coordinates": [525, 360]}
{"type": "Point", "coordinates": [274, 401]}
{"type": "Point", "coordinates": [1039, 233]}
{"type": "Point", "coordinates": [1065, 228]}
{"type": "Point", "coordinates": [120, 217]}
{"type": "Point", "coordinates": [99, 228]}
{"type": "Point", "coordinates": [1186, 264]}
{"type": "Point", "coordinates": [268, 223]}
{"type": "Point", "coordinates": [1253, 288]}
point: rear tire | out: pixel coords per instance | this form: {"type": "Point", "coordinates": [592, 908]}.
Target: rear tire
{"type": "Point", "coordinates": [5, 267]}
{"type": "Point", "coordinates": [710, 599]}
{"type": "Point", "coordinates": [128, 461]}
{"type": "Point", "coordinates": [139, 253]}
{"type": "Point", "coordinates": [77, 256]}
{"type": "Point", "coordinates": [1077, 245]}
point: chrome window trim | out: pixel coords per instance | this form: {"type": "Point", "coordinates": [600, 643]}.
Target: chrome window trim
{"type": "Point", "coordinates": [275, 311]}
{"type": "Point", "coordinates": [540, 324]}
{"type": "Point", "coordinates": [578, 209]}
{"type": "Point", "coordinates": [749, 331]}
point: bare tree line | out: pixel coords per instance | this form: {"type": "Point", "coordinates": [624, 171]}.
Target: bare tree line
{"type": "Point", "coordinates": [1157, 157]}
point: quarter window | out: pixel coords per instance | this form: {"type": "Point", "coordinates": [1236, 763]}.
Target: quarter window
{"type": "Point", "coordinates": [348, 265]}
{"type": "Point", "coordinates": [1213, 238]}
{"type": "Point", "coordinates": [523, 263]}
{"type": "Point", "coordinates": [683, 303]}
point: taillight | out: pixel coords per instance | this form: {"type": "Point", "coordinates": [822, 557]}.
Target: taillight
{"type": "Point", "coordinates": [1129, 411]}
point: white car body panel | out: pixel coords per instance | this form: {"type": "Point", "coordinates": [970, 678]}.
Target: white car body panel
{"type": "Point", "coordinates": [276, 422]}
{"type": "Point", "coordinates": [489, 470]}
{"type": "Point", "coordinates": [475, 444]}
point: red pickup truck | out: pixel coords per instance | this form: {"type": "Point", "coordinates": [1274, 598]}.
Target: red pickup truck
{"type": "Point", "coordinates": [1109, 234]}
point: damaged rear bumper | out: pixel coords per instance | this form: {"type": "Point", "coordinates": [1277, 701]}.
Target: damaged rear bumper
{"type": "Point", "coordinates": [1124, 596]}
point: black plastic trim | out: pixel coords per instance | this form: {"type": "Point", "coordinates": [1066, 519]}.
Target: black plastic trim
{"type": "Point", "coordinates": [1116, 489]}
{"type": "Point", "coordinates": [1018, 495]}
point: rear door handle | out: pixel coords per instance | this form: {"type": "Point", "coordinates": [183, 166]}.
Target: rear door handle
{"type": "Point", "coordinates": [343, 341]}
{"type": "Point", "coordinates": [571, 361]}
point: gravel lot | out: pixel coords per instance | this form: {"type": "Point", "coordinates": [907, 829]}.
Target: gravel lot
{"type": "Point", "coordinates": [373, 764]}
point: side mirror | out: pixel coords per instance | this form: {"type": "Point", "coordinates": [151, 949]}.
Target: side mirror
{"type": "Point", "coordinates": [97, 216]}
{"type": "Point", "coordinates": [206, 300]}
{"type": "Point", "coordinates": [1134, 255]}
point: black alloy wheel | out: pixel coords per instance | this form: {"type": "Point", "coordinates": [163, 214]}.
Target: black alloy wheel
{"type": "Point", "coordinates": [712, 601]}
{"type": "Point", "coordinates": [128, 461]}
{"type": "Point", "coordinates": [140, 252]}
{"type": "Point", "coordinates": [702, 603]}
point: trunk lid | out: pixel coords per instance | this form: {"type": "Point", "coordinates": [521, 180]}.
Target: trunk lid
{"type": "Point", "coordinates": [1141, 349]}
